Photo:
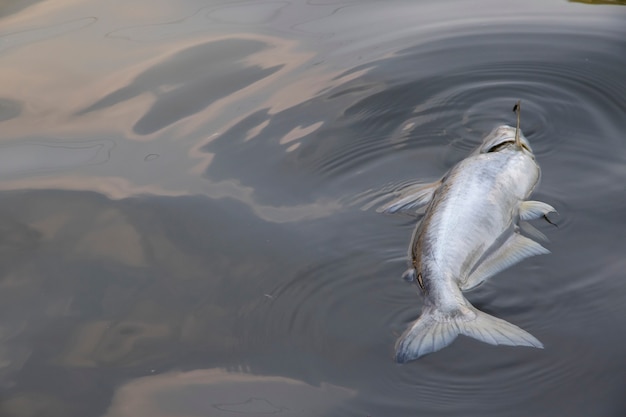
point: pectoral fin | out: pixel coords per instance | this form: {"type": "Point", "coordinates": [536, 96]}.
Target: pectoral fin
{"type": "Point", "coordinates": [529, 210]}
{"type": "Point", "coordinates": [514, 249]}
{"type": "Point", "coordinates": [532, 231]}
{"type": "Point", "coordinates": [412, 198]}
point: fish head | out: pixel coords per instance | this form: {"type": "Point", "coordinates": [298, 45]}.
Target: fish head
{"type": "Point", "coordinates": [502, 138]}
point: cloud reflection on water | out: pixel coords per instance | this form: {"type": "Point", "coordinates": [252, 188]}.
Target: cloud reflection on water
{"type": "Point", "coordinates": [262, 115]}
{"type": "Point", "coordinates": [220, 393]}
{"type": "Point", "coordinates": [123, 285]}
{"type": "Point", "coordinates": [189, 81]}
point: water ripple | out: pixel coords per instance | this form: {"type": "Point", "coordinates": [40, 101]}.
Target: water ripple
{"type": "Point", "coordinates": [409, 117]}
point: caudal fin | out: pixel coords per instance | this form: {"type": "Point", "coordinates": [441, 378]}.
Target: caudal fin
{"type": "Point", "coordinates": [434, 330]}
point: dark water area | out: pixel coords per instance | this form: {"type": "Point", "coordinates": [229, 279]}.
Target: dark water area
{"type": "Point", "coordinates": [188, 195]}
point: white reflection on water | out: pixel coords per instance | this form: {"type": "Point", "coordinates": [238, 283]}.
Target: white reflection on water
{"type": "Point", "coordinates": [217, 393]}
{"type": "Point", "coordinates": [29, 157]}
{"type": "Point", "coordinates": [24, 37]}
{"type": "Point", "coordinates": [117, 188]}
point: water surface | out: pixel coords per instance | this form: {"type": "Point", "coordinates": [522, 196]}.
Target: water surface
{"type": "Point", "coordinates": [188, 205]}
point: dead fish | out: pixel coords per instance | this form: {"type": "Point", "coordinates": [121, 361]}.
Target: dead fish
{"type": "Point", "coordinates": [471, 231]}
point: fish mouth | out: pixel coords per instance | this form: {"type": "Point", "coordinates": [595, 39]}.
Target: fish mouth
{"type": "Point", "coordinates": [501, 145]}
{"type": "Point", "coordinates": [509, 141]}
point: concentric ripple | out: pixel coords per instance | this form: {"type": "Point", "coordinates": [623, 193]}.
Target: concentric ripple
{"type": "Point", "coordinates": [410, 116]}
{"type": "Point", "coordinates": [267, 134]}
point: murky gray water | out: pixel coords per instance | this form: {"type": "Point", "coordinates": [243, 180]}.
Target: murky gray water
{"type": "Point", "coordinates": [187, 205]}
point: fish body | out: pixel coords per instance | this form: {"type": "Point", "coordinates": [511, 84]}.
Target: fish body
{"type": "Point", "coordinates": [469, 232]}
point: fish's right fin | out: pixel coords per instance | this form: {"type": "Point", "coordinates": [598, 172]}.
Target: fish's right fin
{"type": "Point", "coordinates": [532, 231]}
{"type": "Point", "coordinates": [434, 330]}
{"type": "Point", "coordinates": [515, 249]}
{"type": "Point", "coordinates": [529, 210]}
{"type": "Point", "coordinates": [411, 199]}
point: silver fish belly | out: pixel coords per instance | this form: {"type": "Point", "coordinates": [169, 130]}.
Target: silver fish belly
{"type": "Point", "coordinates": [470, 232]}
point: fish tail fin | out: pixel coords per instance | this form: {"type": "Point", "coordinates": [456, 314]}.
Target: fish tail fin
{"type": "Point", "coordinates": [435, 329]}
{"type": "Point", "coordinates": [495, 331]}
{"type": "Point", "coordinates": [429, 333]}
